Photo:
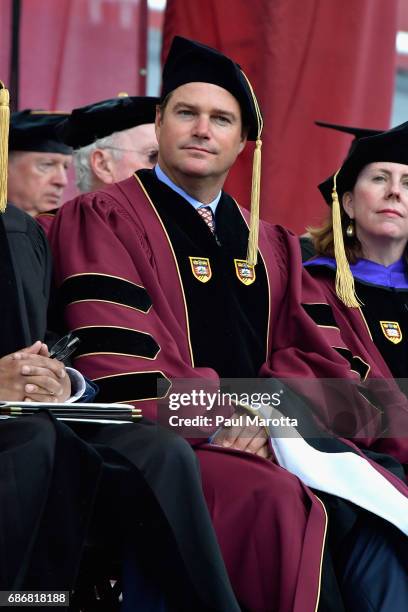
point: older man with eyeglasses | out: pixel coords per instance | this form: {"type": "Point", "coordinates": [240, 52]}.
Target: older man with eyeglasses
{"type": "Point", "coordinates": [111, 140]}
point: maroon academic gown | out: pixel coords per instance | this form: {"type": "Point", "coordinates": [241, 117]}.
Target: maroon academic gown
{"type": "Point", "coordinates": [122, 285]}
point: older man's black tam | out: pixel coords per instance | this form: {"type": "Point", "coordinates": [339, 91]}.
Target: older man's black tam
{"type": "Point", "coordinates": [36, 130]}
{"type": "Point", "coordinates": [89, 123]}
{"type": "Point", "coordinates": [189, 61]}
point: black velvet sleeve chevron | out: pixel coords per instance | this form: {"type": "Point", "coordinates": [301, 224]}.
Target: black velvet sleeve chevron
{"type": "Point", "coordinates": [104, 288]}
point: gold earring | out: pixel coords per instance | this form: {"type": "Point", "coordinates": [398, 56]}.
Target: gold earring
{"type": "Point", "coordinates": [350, 229]}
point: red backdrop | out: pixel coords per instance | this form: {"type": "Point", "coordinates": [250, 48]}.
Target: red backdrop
{"type": "Point", "coordinates": [316, 59]}
{"type": "Point", "coordinates": [5, 38]}
{"type": "Point", "coordinates": [74, 52]}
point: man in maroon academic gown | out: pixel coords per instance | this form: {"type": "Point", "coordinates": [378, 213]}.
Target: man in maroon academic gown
{"type": "Point", "coordinates": [66, 493]}
{"type": "Point", "coordinates": [154, 277]}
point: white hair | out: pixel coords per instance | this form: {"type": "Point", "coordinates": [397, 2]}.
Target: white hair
{"type": "Point", "coordinates": [84, 176]}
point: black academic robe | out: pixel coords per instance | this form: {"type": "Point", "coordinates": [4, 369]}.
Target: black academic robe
{"type": "Point", "coordinates": [385, 310]}
{"type": "Point", "coordinates": [30, 258]}
{"type": "Point", "coordinates": [46, 507]}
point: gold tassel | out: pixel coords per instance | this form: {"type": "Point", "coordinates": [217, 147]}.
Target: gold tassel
{"type": "Point", "coordinates": [252, 253]}
{"type": "Point", "coordinates": [4, 135]}
{"type": "Point", "coordinates": [344, 278]}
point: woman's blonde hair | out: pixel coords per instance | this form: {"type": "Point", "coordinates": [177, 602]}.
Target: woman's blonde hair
{"type": "Point", "coordinates": [323, 238]}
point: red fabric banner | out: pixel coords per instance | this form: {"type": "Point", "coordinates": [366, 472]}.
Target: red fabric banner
{"type": "Point", "coordinates": [5, 38]}
{"type": "Point", "coordinates": [74, 52]}
{"type": "Point", "coordinates": [333, 61]}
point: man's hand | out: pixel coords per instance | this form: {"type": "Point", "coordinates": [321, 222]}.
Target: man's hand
{"type": "Point", "coordinates": [38, 348]}
{"type": "Point", "coordinates": [248, 438]}
{"type": "Point", "coordinates": [30, 375]}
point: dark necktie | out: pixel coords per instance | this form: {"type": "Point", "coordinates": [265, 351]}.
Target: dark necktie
{"type": "Point", "coordinates": [206, 213]}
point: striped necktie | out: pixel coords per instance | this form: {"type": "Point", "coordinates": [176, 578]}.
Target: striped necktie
{"type": "Point", "coordinates": [206, 213]}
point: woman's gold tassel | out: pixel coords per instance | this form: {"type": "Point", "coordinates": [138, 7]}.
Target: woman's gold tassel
{"type": "Point", "coordinates": [344, 278]}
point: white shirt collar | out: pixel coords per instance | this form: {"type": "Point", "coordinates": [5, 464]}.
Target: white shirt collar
{"type": "Point", "coordinates": [195, 203]}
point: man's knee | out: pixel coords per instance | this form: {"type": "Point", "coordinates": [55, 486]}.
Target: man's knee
{"type": "Point", "coordinates": [36, 432]}
{"type": "Point", "coordinates": [248, 478]}
{"type": "Point", "coordinates": [176, 449]}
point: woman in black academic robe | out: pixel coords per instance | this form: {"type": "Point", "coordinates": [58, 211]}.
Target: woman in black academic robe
{"type": "Point", "coordinates": [372, 186]}
{"type": "Point", "coordinates": [361, 260]}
